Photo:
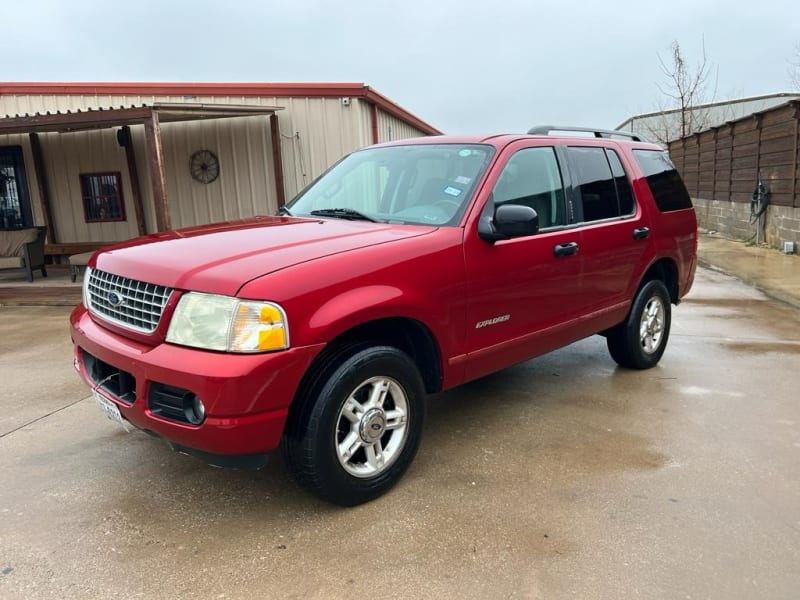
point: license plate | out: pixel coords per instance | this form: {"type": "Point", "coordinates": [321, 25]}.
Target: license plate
{"type": "Point", "coordinates": [111, 410]}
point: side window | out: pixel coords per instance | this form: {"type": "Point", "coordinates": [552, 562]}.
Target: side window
{"type": "Point", "coordinates": [594, 182]}
{"type": "Point", "coordinates": [532, 178]}
{"type": "Point", "coordinates": [623, 185]}
{"type": "Point", "coordinates": [667, 186]}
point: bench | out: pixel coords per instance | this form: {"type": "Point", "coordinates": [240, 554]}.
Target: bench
{"type": "Point", "coordinates": [76, 261]}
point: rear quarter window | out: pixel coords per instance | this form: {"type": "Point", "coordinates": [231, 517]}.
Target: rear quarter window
{"type": "Point", "coordinates": [665, 183]}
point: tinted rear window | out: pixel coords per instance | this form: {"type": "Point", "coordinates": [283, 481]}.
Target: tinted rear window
{"type": "Point", "coordinates": [600, 182]}
{"type": "Point", "coordinates": [667, 186]}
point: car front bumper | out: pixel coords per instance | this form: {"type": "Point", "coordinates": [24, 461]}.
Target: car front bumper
{"type": "Point", "coordinates": [246, 396]}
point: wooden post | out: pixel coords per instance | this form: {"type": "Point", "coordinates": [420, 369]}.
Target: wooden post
{"type": "Point", "coordinates": [277, 159]}
{"type": "Point", "coordinates": [714, 167]}
{"type": "Point", "coordinates": [795, 203]}
{"type": "Point", "coordinates": [761, 223]}
{"type": "Point", "coordinates": [133, 173]}
{"type": "Point", "coordinates": [158, 178]}
{"type": "Point", "coordinates": [44, 188]}
{"type": "Point", "coordinates": [697, 186]}
{"type": "Point", "coordinates": [730, 164]}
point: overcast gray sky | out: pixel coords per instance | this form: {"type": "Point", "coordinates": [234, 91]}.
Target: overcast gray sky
{"type": "Point", "coordinates": [463, 66]}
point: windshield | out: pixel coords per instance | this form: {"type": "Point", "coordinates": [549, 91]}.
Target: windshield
{"type": "Point", "coordinates": [426, 184]}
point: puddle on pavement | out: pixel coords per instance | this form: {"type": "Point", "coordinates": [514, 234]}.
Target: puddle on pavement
{"type": "Point", "coordinates": [763, 347]}
{"type": "Point", "coordinates": [725, 302]}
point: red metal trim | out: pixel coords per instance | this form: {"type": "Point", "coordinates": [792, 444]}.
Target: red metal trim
{"type": "Point", "coordinates": [313, 90]}
{"type": "Point", "coordinates": [396, 110]}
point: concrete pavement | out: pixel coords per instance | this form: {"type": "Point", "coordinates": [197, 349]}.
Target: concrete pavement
{"type": "Point", "coordinates": [774, 273]}
{"type": "Point", "coordinates": [563, 477]}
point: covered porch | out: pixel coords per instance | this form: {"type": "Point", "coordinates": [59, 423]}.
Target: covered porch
{"type": "Point", "coordinates": [151, 162]}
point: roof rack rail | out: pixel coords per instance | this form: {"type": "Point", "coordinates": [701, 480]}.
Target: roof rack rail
{"type": "Point", "coordinates": [600, 133]}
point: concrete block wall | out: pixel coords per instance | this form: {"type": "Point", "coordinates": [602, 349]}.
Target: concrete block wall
{"type": "Point", "coordinates": [783, 224]}
{"type": "Point", "coordinates": [732, 219]}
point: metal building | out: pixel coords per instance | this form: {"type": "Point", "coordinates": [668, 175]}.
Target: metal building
{"type": "Point", "coordinates": [665, 126]}
{"type": "Point", "coordinates": [103, 162]}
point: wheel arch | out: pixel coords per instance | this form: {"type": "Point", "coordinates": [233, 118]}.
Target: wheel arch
{"type": "Point", "coordinates": [409, 335]}
{"type": "Point", "coordinates": [664, 269]}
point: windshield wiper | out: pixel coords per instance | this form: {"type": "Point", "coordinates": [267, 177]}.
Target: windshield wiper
{"type": "Point", "coordinates": [284, 211]}
{"type": "Point", "coordinates": [343, 213]}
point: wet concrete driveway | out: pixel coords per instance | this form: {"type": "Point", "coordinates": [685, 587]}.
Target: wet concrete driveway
{"type": "Point", "coordinates": [560, 478]}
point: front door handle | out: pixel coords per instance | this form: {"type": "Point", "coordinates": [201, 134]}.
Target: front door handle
{"type": "Point", "coordinates": [640, 233]}
{"type": "Point", "coordinates": [565, 249]}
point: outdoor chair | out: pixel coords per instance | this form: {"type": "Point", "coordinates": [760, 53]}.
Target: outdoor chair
{"type": "Point", "coordinates": [23, 249]}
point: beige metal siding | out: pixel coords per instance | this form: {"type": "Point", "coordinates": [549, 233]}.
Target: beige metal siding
{"type": "Point", "coordinates": [365, 122]}
{"type": "Point", "coordinates": [315, 132]}
{"type": "Point", "coordinates": [391, 128]}
{"type": "Point", "coordinates": [245, 186]}
{"type": "Point", "coordinates": [66, 157]}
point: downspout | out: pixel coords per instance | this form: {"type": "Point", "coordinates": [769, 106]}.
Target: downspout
{"type": "Point", "coordinates": [374, 119]}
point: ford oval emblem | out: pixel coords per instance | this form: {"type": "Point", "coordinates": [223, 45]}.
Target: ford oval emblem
{"type": "Point", "coordinates": [115, 300]}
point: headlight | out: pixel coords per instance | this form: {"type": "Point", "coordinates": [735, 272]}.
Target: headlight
{"type": "Point", "coordinates": [86, 275]}
{"type": "Point", "coordinates": [228, 324]}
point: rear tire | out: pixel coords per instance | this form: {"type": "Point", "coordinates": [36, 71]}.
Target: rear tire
{"type": "Point", "coordinates": [640, 340]}
{"type": "Point", "coordinates": [358, 425]}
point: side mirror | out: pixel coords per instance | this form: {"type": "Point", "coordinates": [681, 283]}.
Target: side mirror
{"type": "Point", "coordinates": [509, 221]}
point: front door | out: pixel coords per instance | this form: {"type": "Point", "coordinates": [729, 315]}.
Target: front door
{"type": "Point", "coordinates": [522, 292]}
{"type": "Point", "coordinates": [15, 205]}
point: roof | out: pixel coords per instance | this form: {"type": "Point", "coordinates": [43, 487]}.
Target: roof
{"type": "Point", "coordinates": [721, 104]}
{"type": "Point", "coordinates": [99, 118]}
{"type": "Point", "coordinates": [500, 140]}
{"type": "Point", "coordinates": [285, 90]}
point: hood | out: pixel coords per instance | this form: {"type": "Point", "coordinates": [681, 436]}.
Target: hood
{"type": "Point", "coordinates": [221, 258]}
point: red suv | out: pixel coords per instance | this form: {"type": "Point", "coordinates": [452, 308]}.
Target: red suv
{"type": "Point", "coordinates": [406, 269]}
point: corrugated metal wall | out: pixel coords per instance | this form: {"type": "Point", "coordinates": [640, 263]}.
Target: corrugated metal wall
{"type": "Point", "coordinates": [391, 128]}
{"type": "Point", "coordinates": [315, 132]}
{"type": "Point", "coordinates": [665, 126]}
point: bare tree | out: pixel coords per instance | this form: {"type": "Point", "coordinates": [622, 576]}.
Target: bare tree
{"type": "Point", "coordinates": [794, 67]}
{"type": "Point", "coordinates": [685, 89]}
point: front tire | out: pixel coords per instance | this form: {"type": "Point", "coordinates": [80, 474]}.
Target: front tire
{"type": "Point", "coordinates": [358, 425]}
{"type": "Point", "coordinates": [640, 340]}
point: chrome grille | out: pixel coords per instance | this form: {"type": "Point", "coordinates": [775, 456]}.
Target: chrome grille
{"type": "Point", "coordinates": [133, 304]}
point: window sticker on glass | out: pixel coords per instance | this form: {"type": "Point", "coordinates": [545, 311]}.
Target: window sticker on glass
{"type": "Point", "coordinates": [463, 180]}
{"type": "Point", "coordinates": [452, 191]}
{"type": "Point", "coordinates": [465, 152]}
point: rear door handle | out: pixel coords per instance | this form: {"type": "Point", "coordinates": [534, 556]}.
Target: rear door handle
{"type": "Point", "coordinates": [565, 249]}
{"type": "Point", "coordinates": [640, 233]}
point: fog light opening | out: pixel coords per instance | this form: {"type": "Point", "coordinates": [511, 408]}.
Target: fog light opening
{"type": "Point", "coordinates": [194, 409]}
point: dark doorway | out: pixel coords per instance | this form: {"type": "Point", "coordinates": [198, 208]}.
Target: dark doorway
{"type": "Point", "coordinates": [15, 203]}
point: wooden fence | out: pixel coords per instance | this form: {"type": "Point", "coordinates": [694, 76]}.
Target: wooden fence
{"type": "Point", "coordinates": [722, 163]}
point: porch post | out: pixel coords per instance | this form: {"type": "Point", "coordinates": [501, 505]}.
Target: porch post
{"type": "Point", "coordinates": [277, 160]}
{"type": "Point", "coordinates": [158, 178]}
{"type": "Point", "coordinates": [44, 188]}
{"type": "Point", "coordinates": [133, 173]}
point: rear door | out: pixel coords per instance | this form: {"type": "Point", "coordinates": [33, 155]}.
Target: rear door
{"type": "Point", "coordinates": [616, 234]}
